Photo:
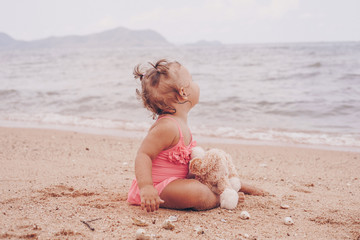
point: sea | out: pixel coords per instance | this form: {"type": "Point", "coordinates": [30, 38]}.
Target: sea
{"type": "Point", "coordinates": [285, 93]}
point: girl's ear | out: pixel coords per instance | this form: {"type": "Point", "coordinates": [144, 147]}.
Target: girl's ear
{"type": "Point", "coordinates": [183, 93]}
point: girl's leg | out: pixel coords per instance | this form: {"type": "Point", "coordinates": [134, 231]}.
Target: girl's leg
{"type": "Point", "coordinates": [188, 193]}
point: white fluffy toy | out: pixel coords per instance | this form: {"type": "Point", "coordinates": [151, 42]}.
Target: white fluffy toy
{"type": "Point", "coordinates": [215, 169]}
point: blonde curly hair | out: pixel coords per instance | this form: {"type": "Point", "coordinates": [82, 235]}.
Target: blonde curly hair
{"type": "Point", "coordinates": [160, 87]}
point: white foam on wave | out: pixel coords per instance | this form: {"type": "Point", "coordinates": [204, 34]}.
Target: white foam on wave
{"type": "Point", "coordinates": [251, 134]}
{"type": "Point", "coordinates": [56, 119]}
{"type": "Point", "coordinates": [281, 135]}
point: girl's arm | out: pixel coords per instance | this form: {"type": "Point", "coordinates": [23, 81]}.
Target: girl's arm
{"type": "Point", "coordinates": [160, 137]}
{"type": "Point", "coordinates": [150, 199]}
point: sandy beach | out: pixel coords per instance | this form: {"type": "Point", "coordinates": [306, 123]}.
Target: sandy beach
{"type": "Point", "coordinates": [54, 182]}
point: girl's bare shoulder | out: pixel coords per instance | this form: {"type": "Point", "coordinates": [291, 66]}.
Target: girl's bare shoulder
{"type": "Point", "coordinates": [166, 130]}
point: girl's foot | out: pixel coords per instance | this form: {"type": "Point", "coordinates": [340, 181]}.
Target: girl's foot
{"type": "Point", "coordinates": [251, 190]}
{"type": "Point", "coordinates": [241, 197]}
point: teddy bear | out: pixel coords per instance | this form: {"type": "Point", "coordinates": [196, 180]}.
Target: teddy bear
{"type": "Point", "coordinates": [215, 169]}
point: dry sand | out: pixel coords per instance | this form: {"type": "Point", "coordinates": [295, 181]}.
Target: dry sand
{"type": "Point", "coordinates": [52, 180]}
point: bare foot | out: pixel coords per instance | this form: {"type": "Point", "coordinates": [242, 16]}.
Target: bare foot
{"type": "Point", "coordinates": [241, 197]}
{"type": "Point", "coordinates": [251, 190]}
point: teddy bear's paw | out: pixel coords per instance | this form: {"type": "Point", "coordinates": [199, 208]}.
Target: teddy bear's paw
{"type": "Point", "coordinates": [229, 199]}
{"type": "Point", "coordinates": [235, 183]}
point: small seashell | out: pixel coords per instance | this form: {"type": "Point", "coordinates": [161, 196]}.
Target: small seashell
{"type": "Point", "coordinates": [244, 215]}
{"type": "Point", "coordinates": [288, 221]}
{"type": "Point", "coordinates": [141, 234]}
{"type": "Point", "coordinates": [168, 225]}
{"type": "Point", "coordinates": [284, 206]}
{"type": "Point", "coordinates": [246, 235]}
{"type": "Point", "coordinates": [173, 218]}
{"type": "Point", "coordinates": [199, 230]}
{"type": "Point", "coordinates": [139, 222]}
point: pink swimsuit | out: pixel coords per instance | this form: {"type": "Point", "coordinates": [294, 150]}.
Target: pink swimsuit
{"type": "Point", "coordinates": [169, 165]}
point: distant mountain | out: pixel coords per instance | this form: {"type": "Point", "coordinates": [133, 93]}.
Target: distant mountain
{"type": "Point", "coordinates": [6, 40]}
{"type": "Point", "coordinates": [118, 37]}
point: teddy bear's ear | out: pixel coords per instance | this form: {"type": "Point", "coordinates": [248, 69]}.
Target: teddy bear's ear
{"type": "Point", "coordinates": [196, 168]}
{"type": "Point", "coordinates": [197, 152]}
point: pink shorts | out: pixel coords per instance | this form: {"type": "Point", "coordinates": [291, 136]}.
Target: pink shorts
{"type": "Point", "coordinates": [134, 192]}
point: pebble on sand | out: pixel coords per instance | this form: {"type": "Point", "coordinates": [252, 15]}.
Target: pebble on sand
{"type": "Point", "coordinates": [168, 225]}
{"type": "Point", "coordinates": [244, 215]}
{"type": "Point", "coordinates": [141, 234]}
{"type": "Point", "coordinates": [288, 221]}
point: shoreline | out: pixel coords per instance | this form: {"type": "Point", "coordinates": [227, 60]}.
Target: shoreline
{"type": "Point", "coordinates": [140, 134]}
{"type": "Point", "coordinates": [51, 180]}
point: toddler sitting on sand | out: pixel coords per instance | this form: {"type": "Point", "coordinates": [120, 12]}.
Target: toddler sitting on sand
{"type": "Point", "coordinates": [162, 161]}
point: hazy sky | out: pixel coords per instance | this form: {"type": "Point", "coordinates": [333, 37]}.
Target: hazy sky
{"type": "Point", "coordinates": [183, 21]}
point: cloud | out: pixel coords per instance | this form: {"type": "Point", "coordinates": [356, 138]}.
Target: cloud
{"type": "Point", "coordinates": [196, 20]}
{"type": "Point", "coordinates": [229, 21]}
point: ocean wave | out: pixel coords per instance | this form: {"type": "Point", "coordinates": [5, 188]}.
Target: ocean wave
{"type": "Point", "coordinates": [87, 99]}
{"type": "Point", "coordinates": [290, 76]}
{"type": "Point", "coordinates": [52, 93]}
{"type": "Point", "coordinates": [302, 75]}
{"type": "Point", "coordinates": [252, 64]}
{"type": "Point", "coordinates": [269, 85]}
{"type": "Point", "coordinates": [350, 76]}
{"type": "Point", "coordinates": [266, 103]}
{"type": "Point", "coordinates": [283, 136]}
{"type": "Point", "coordinates": [67, 120]}
{"type": "Point", "coordinates": [255, 134]}
{"type": "Point", "coordinates": [8, 92]}
{"type": "Point", "coordinates": [342, 109]}
{"type": "Point", "coordinates": [291, 112]}
{"type": "Point", "coordinates": [314, 65]}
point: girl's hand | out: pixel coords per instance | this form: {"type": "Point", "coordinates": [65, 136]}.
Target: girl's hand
{"type": "Point", "coordinates": [150, 199]}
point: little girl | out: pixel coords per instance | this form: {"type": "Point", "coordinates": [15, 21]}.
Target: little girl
{"type": "Point", "coordinates": [162, 161]}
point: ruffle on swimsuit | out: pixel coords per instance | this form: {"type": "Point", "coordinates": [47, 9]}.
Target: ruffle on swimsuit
{"type": "Point", "coordinates": [179, 153]}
